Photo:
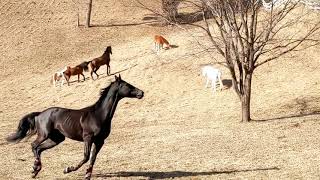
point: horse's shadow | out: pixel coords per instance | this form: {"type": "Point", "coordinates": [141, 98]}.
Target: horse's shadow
{"type": "Point", "coordinates": [181, 18]}
{"type": "Point", "coordinates": [104, 75]}
{"type": "Point", "coordinates": [173, 46]}
{"type": "Point", "coordinates": [123, 24]}
{"type": "Point", "coordinates": [175, 174]}
{"type": "Point", "coordinates": [299, 115]}
{"type": "Point", "coordinates": [305, 106]}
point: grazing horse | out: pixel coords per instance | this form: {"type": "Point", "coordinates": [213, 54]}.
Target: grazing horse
{"type": "Point", "coordinates": [58, 76]}
{"type": "Point", "coordinates": [160, 42]}
{"type": "Point", "coordinates": [95, 64]}
{"type": "Point", "coordinates": [212, 74]}
{"type": "Point", "coordinates": [76, 71]}
{"type": "Point", "coordinates": [91, 125]}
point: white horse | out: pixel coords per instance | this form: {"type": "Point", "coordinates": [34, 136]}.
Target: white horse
{"type": "Point", "coordinates": [273, 4]}
{"type": "Point", "coordinates": [59, 76]}
{"type": "Point", "coordinates": [212, 74]}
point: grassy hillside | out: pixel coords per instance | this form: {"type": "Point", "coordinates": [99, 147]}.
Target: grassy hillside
{"type": "Point", "coordinates": [180, 129]}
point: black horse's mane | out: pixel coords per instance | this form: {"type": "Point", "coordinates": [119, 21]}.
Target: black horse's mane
{"type": "Point", "coordinates": [103, 94]}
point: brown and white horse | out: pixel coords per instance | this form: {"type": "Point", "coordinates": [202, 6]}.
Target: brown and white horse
{"type": "Point", "coordinates": [58, 77]}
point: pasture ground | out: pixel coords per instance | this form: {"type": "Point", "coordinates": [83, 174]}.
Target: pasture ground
{"type": "Point", "coordinates": [180, 129]}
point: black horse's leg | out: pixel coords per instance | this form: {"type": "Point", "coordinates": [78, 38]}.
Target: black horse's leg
{"type": "Point", "coordinates": [54, 139]}
{"type": "Point", "coordinates": [42, 143]}
{"type": "Point", "coordinates": [37, 162]}
{"type": "Point", "coordinates": [108, 69]}
{"type": "Point", "coordinates": [78, 77]}
{"type": "Point", "coordinates": [87, 150]}
{"type": "Point", "coordinates": [95, 151]}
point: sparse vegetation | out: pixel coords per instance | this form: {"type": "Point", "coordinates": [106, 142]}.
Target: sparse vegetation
{"type": "Point", "coordinates": [180, 129]}
{"type": "Point", "coordinates": [247, 36]}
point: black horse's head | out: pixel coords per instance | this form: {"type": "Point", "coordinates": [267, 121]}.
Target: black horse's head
{"type": "Point", "coordinates": [108, 50]}
{"type": "Point", "coordinates": [127, 90]}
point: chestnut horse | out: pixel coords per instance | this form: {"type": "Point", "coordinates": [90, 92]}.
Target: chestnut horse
{"type": "Point", "coordinates": [76, 71]}
{"type": "Point", "coordinates": [95, 64]}
{"type": "Point", "coordinates": [160, 42]}
{"type": "Point", "coordinates": [91, 125]}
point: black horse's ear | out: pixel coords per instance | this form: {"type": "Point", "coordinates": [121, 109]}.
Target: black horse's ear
{"type": "Point", "coordinates": [119, 77]}
{"type": "Point", "coordinates": [116, 77]}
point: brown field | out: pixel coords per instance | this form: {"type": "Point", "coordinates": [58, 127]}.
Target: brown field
{"type": "Point", "coordinates": [180, 129]}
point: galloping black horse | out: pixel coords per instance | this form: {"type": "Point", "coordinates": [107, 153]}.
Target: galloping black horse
{"type": "Point", "coordinates": [91, 125]}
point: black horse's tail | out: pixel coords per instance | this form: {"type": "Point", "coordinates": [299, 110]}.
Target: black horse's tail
{"type": "Point", "coordinates": [25, 128]}
{"type": "Point", "coordinates": [84, 65]}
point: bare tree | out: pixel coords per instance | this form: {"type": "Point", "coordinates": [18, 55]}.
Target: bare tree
{"type": "Point", "coordinates": [170, 9]}
{"type": "Point", "coordinates": [77, 10]}
{"type": "Point", "coordinates": [89, 13]}
{"type": "Point", "coordinates": [247, 36]}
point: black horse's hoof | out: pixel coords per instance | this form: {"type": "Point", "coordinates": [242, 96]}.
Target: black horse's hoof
{"type": "Point", "coordinates": [35, 170]}
{"type": "Point", "coordinates": [67, 170]}
{"type": "Point", "coordinates": [34, 174]}
{"type": "Point", "coordinates": [88, 176]}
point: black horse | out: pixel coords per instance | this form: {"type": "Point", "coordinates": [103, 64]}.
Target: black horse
{"type": "Point", "coordinates": [90, 125]}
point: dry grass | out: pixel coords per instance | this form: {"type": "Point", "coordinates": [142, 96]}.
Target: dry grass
{"type": "Point", "coordinates": [180, 129]}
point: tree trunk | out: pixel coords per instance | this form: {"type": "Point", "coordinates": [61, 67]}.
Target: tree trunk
{"type": "Point", "coordinates": [170, 9]}
{"type": "Point", "coordinates": [245, 98]}
{"type": "Point", "coordinates": [78, 21]}
{"type": "Point", "coordinates": [89, 13]}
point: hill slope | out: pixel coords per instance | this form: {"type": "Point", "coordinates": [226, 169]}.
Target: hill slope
{"type": "Point", "coordinates": [180, 129]}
